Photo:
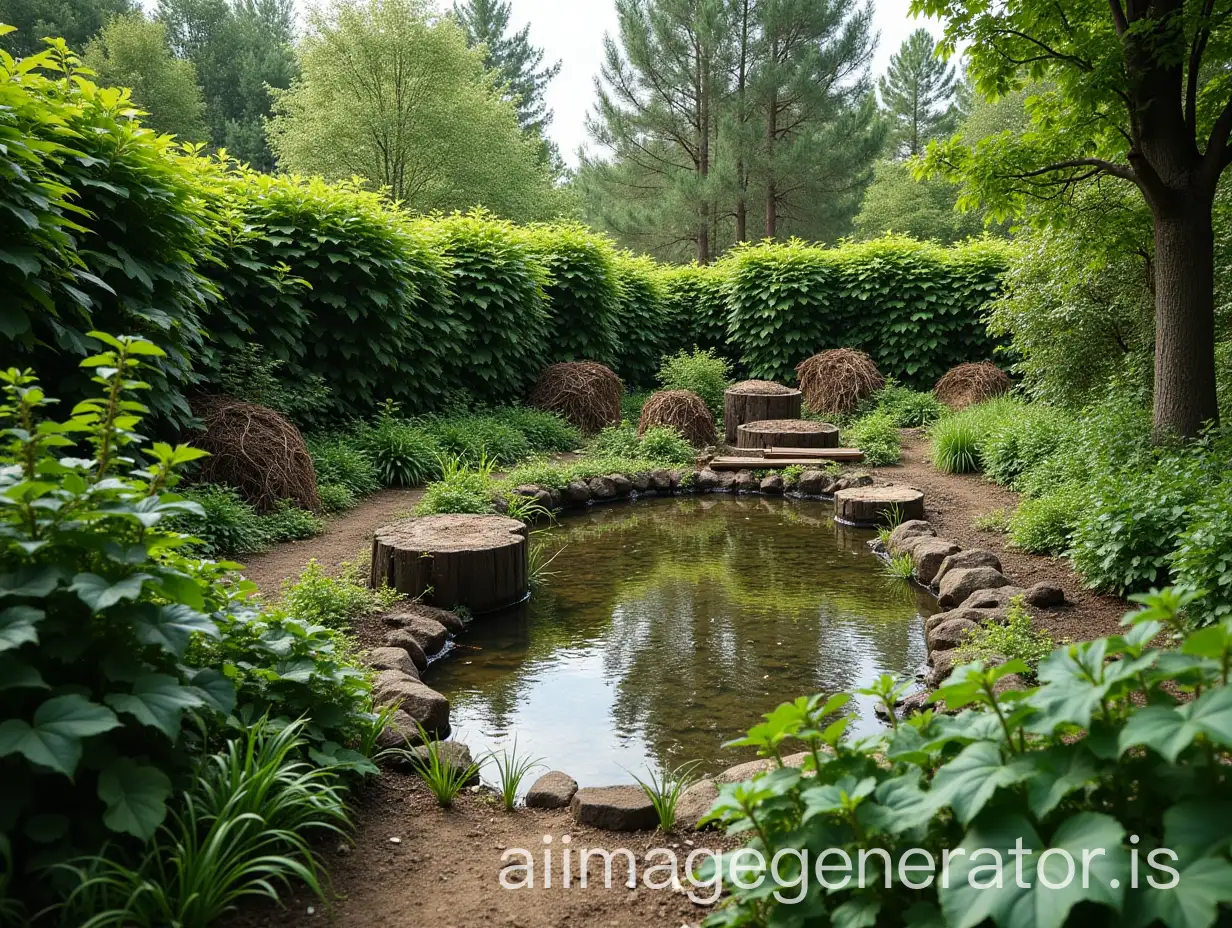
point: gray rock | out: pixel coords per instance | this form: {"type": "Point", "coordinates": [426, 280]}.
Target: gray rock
{"type": "Point", "coordinates": [421, 703]}
{"type": "Point", "coordinates": [949, 634]}
{"type": "Point", "coordinates": [401, 614]}
{"type": "Point", "coordinates": [614, 808]}
{"type": "Point", "coordinates": [911, 529]}
{"type": "Point", "coordinates": [623, 485]}
{"type": "Point", "coordinates": [725, 481]}
{"type": "Point", "coordinates": [814, 483]}
{"type": "Point", "coordinates": [978, 616]}
{"type": "Point", "coordinates": [602, 488]}
{"type": "Point", "coordinates": [500, 505]}
{"type": "Point", "coordinates": [641, 482]}
{"type": "Point", "coordinates": [998, 598]}
{"type": "Point", "coordinates": [962, 560]}
{"type": "Point", "coordinates": [694, 803]}
{"type": "Point", "coordinates": [745, 482]}
{"type": "Point", "coordinates": [927, 556]}
{"type": "Point", "coordinates": [395, 659]}
{"type": "Point", "coordinates": [772, 484]}
{"type": "Point", "coordinates": [553, 790]}
{"type": "Point", "coordinates": [661, 479]}
{"type": "Point", "coordinates": [1044, 596]}
{"type": "Point", "coordinates": [851, 482]}
{"type": "Point", "coordinates": [914, 704]}
{"type": "Point", "coordinates": [399, 732]}
{"type": "Point", "coordinates": [676, 477]}
{"type": "Point", "coordinates": [957, 585]}
{"type": "Point", "coordinates": [402, 638]}
{"type": "Point", "coordinates": [540, 495]}
{"type": "Point", "coordinates": [430, 633]}
{"type": "Point", "coordinates": [453, 754]}
{"type": "Point", "coordinates": [706, 481]}
{"type": "Point", "coordinates": [576, 493]}
{"type": "Point", "coordinates": [943, 664]}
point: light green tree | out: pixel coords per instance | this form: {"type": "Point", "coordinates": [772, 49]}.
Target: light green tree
{"type": "Point", "coordinates": [917, 93]}
{"type": "Point", "coordinates": [925, 209]}
{"type": "Point", "coordinates": [131, 51]}
{"type": "Point", "coordinates": [75, 21]}
{"type": "Point", "coordinates": [389, 91]}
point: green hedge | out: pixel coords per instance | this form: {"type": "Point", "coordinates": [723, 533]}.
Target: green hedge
{"type": "Point", "coordinates": [916, 308]}
{"type": "Point", "coordinates": [696, 301]}
{"type": "Point", "coordinates": [644, 329]}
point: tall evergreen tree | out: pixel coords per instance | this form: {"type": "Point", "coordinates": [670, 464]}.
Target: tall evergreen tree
{"type": "Point", "coordinates": [918, 93]}
{"type": "Point", "coordinates": [75, 21]}
{"type": "Point", "coordinates": [519, 63]}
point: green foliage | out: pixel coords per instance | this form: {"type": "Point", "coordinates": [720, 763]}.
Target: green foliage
{"type": "Point", "coordinates": [876, 434]}
{"type": "Point", "coordinates": [659, 443]}
{"type": "Point", "coordinates": [703, 371]}
{"type": "Point", "coordinates": [403, 454]}
{"type": "Point", "coordinates": [557, 475]}
{"type": "Point", "coordinates": [461, 488]}
{"type": "Point", "coordinates": [1203, 559]}
{"type": "Point", "coordinates": [336, 498]}
{"type": "Point", "coordinates": [317, 598]}
{"type": "Point", "coordinates": [1050, 766]}
{"type": "Point", "coordinates": [474, 438]}
{"type": "Point", "coordinates": [917, 309]}
{"type": "Point", "coordinates": [290, 523]}
{"type": "Point", "coordinates": [895, 202]}
{"type": "Point", "coordinates": [958, 440]}
{"type": "Point", "coordinates": [631, 406]}
{"type": "Point", "coordinates": [339, 460]}
{"type": "Point", "coordinates": [643, 333]}
{"type": "Point", "coordinates": [1015, 639]}
{"type": "Point", "coordinates": [994, 520]}
{"type": "Point", "coordinates": [253, 375]}
{"type": "Point", "coordinates": [1044, 524]}
{"type": "Point", "coordinates": [899, 567]}
{"type": "Point", "coordinates": [511, 769]}
{"type": "Point", "coordinates": [695, 301]}
{"type": "Point", "coordinates": [584, 294]}
{"type": "Point", "coordinates": [1020, 437]}
{"type": "Point", "coordinates": [908, 408]}
{"type": "Point", "coordinates": [917, 92]}
{"type": "Point", "coordinates": [664, 787]}
{"type": "Point", "coordinates": [246, 829]}
{"type": "Point", "coordinates": [545, 432]}
{"type": "Point", "coordinates": [435, 765]}
{"type": "Point", "coordinates": [225, 523]}
{"type": "Point", "coordinates": [76, 21]}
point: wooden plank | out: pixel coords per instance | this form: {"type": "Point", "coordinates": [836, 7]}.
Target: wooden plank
{"type": "Point", "coordinates": [763, 463]}
{"type": "Point", "coordinates": [821, 454]}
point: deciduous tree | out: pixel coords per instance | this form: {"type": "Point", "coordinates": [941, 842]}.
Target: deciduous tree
{"type": "Point", "coordinates": [75, 21]}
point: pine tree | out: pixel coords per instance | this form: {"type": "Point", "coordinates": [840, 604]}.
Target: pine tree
{"type": "Point", "coordinates": [918, 93]}
{"type": "Point", "coordinates": [520, 64]}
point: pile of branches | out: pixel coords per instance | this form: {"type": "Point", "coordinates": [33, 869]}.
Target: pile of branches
{"type": "Point", "coordinates": [682, 410]}
{"type": "Point", "coordinates": [584, 392]}
{"type": "Point", "coordinates": [969, 384]}
{"type": "Point", "coordinates": [838, 381]}
{"type": "Point", "coordinates": [256, 450]}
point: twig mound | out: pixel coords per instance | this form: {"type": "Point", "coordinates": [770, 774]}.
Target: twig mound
{"type": "Point", "coordinates": [584, 392]}
{"type": "Point", "coordinates": [839, 380]}
{"type": "Point", "coordinates": [682, 410]}
{"type": "Point", "coordinates": [969, 384]}
{"type": "Point", "coordinates": [256, 450]}
{"type": "Point", "coordinates": [787, 433]}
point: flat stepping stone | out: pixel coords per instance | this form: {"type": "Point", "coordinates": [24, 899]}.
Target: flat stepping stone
{"type": "Point", "coordinates": [957, 585]}
{"type": "Point", "coordinates": [614, 808]}
{"type": "Point", "coordinates": [877, 505]}
{"type": "Point", "coordinates": [779, 434]}
{"type": "Point", "coordinates": [553, 790]}
{"type": "Point", "coordinates": [477, 561]}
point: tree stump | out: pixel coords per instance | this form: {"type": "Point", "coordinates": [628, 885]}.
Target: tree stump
{"type": "Point", "coordinates": [756, 400]}
{"type": "Point", "coordinates": [787, 433]}
{"type": "Point", "coordinates": [480, 562]}
{"type": "Point", "coordinates": [876, 505]}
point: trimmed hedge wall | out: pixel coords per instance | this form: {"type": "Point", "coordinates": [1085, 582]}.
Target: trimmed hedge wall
{"type": "Point", "coordinates": [340, 299]}
{"type": "Point", "coordinates": [916, 308]}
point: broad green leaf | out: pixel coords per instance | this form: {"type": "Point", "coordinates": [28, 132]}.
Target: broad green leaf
{"type": "Point", "coordinates": [17, 627]}
{"type": "Point", "coordinates": [1195, 900]}
{"type": "Point", "coordinates": [968, 781]}
{"type": "Point", "coordinates": [54, 738]}
{"type": "Point", "coordinates": [99, 593]}
{"type": "Point", "coordinates": [157, 700]}
{"type": "Point", "coordinates": [135, 796]}
{"type": "Point", "coordinates": [1169, 730]}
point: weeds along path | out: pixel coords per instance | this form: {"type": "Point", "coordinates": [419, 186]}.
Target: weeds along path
{"type": "Point", "coordinates": [346, 537]}
{"type": "Point", "coordinates": [955, 500]}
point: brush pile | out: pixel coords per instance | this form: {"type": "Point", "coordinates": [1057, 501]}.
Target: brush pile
{"type": "Point", "coordinates": [682, 410]}
{"type": "Point", "coordinates": [969, 384]}
{"type": "Point", "coordinates": [586, 393]}
{"type": "Point", "coordinates": [838, 381]}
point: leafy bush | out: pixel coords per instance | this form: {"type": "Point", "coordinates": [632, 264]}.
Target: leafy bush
{"type": "Point", "coordinates": [226, 524]}
{"type": "Point", "coordinates": [583, 292]}
{"type": "Point", "coordinates": [702, 371]}
{"type": "Point", "coordinates": [460, 489]}
{"type": "Point", "coordinates": [545, 432]}
{"type": "Point", "coordinates": [473, 438]}
{"type": "Point", "coordinates": [1203, 560]}
{"type": "Point", "coordinates": [336, 498]}
{"type": "Point", "coordinates": [661, 443]}
{"type": "Point", "coordinates": [1045, 524]}
{"type": "Point", "coordinates": [631, 406]}
{"type": "Point", "coordinates": [1021, 440]}
{"type": "Point", "coordinates": [790, 299]}
{"type": "Point", "coordinates": [1094, 755]}
{"type": "Point", "coordinates": [696, 307]}
{"type": "Point", "coordinates": [876, 434]}
{"type": "Point", "coordinates": [334, 602]}
{"type": "Point", "coordinates": [615, 441]}
{"type": "Point", "coordinates": [252, 375]}
{"type": "Point", "coordinates": [340, 460]}
{"type": "Point", "coordinates": [644, 335]}
{"type": "Point", "coordinates": [403, 454]}
{"type": "Point", "coordinates": [290, 523]}
{"type": "Point", "coordinates": [1015, 639]}
{"type": "Point", "coordinates": [909, 408]}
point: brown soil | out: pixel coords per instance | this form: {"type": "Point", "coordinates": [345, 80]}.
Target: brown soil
{"type": "Point", "coordinates": [444, 870]}
{"type": "Point", "coordinates": [760, 386]}
{"type": "Point", "coordinates": [952, 503]}
{"type": "Point", "coordinates": [787, 425]}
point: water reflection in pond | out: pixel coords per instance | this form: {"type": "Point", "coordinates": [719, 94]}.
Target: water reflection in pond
{"type": "Point", "coordinates": [670, 625]}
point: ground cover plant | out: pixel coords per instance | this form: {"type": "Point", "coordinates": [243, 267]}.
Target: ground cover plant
{"type": "Point", "coordinates": [702, 371]}
{"type": "Point", "coordinates": [1086, 761]}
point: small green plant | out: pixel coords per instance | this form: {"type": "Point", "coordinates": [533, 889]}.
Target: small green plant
{"type": "Point", "coordinates": [666, 446]}
{"type": "Point", "coordinates": [956, 444]}
{"type": "Point", "coordinates": [664, 787]}
{"type": "Point", "coordinates": [403, 454]}
{"type": "Point", "coordinates": [908, 408]}
{"type": "Point", "coordinates": [434, 764]}
{"type": "Point", "coordinates": [876, 434]}
{"type": "Point", "coordinates": [702, 371]}
{"type": "Point", "coordinates": [1016, 638]}
{"type": "Point", "coordinates": [1044, 524]}
{"type": "Point", "coordinates": [791, 474]}
{"type": "Point", "coordinates": [994, 520]}
{"type": "Point", "coordinates": [545, 432]}
{"type": "Point", "coordinates": [290, 523]}
{"type": "Point", "coordinates": [340, 461]}
{"type": "Point", "coordinates": [512, 768]}
{"type": "Point", "coordinates": [460, 488]}
{"type": "Point", "coordinates": [226, 524]}
{"type": "Point", "coordinates": [615, 441]}
{"type": "Point", "coordinates": [475, 438]}
{"type": "Point", "coordinates": [540, 571]}
{"type": "Point", "coordinates": [526, 509]}
{"type": "Point", "coordinates": [336, 498]}
{"type": "Point", "coordinates": [899, 567]}
{"type": "Point", "coordinates": [335, 602]}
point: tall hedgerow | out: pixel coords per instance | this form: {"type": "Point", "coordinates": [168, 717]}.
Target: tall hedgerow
{"type": "Point", "coordinates": [583, 292]}
{"type": "Point", "coordinates": [917, 308]}
{"type": "Point", "coordinates": [696, 307]}
{"type": "Point", "coordinates": [645, 332]}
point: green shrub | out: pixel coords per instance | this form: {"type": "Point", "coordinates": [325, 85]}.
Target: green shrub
{"type": "Point", "coordinates": [545, 432]}
{"type": "Point", "coordinates": [696, 307]}
{"type": "Point", "coordinates": [1015, 639]}
{"type": "Point", "coordinates": [473, 438]}
{"type": "Point", "coordinates": [1019, 442]}
{"type": "Point", "coordinates": [1091, 761]}
{"type": "Point", "coordinates": [644, 332]}
{"type": "Point", "coordinates": [1203, 559]}
{"type": "Point", "coordinates": [336, 602]}
{"type": "Point", "coordinates": [790, 300]}
{"type": "Point", "coordinates": [958, 440]}
{"type": "Point", "coordinates": [336, 498]}
{"type": "Point", "coordinates": [876, 434]}
{"type": "Point", "coordinates": [909, 408]}
{"type": "Point", "coordinates": [403, 454]}
{"type": "Point", "coordinates": [461, 488]}
{"type": "Point", "coordinates": [666, 445]}
{"type": "Point", "coordinates": [226, 524]}
{"type": "Point", "coordinates": [1045, 524]}
{"type": "Point", "coordinates": [702, 371]}
{"type": "Point", "coordinates": [252, 375]}
{"type": "Point", "coordinates": [631, 406]}
{"type": "Point", "coordinates": [340, 460]}
{"type": "Point", "coordinates": [615, 441]}
{"type": "Point", "coordinates": [290, 523]}
{"type": "Point", "coordinates": [583, 292]}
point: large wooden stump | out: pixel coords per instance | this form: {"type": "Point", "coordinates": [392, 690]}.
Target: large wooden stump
{"type": "Point", "coordinates": [787, 433]}
{"type": "Point", "coordinates": [480, 562]}
{"type": "Point", "coordinates": [756, 400]}
{"type": "Point", "coordinates": [876, 505]}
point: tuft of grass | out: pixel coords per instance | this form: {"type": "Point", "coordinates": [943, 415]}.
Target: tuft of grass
{"type": "Point", "coordinates": [956, 445]}
{"type": "Point", "coordinates": [512, 768]}
{"type": "Point", "coordinates": [664, 787]}
{"type": "Point", "coordinates": [899, 567]}
{"type": "Point", "coordinates": [443, 778]}
{"type": "Point", "coordinates": [539, 571]}
{"type": "Point", "coordinates": [460, 488]}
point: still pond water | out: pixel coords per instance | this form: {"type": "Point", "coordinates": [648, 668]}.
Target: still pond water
{"type": "Point", "coordinates": [670, 625]}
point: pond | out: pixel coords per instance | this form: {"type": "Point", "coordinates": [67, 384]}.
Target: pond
{"type": "Point", "coordinates": [668, 626]}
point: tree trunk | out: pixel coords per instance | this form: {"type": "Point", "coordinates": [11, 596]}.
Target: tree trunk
{"type": "Point", "coordinates": [772, 194]}
{"type": "Point", "coordinates": [1184, 320]}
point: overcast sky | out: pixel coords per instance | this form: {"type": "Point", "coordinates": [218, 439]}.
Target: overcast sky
{"type": "Point", "coordinates": [572, 31]}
